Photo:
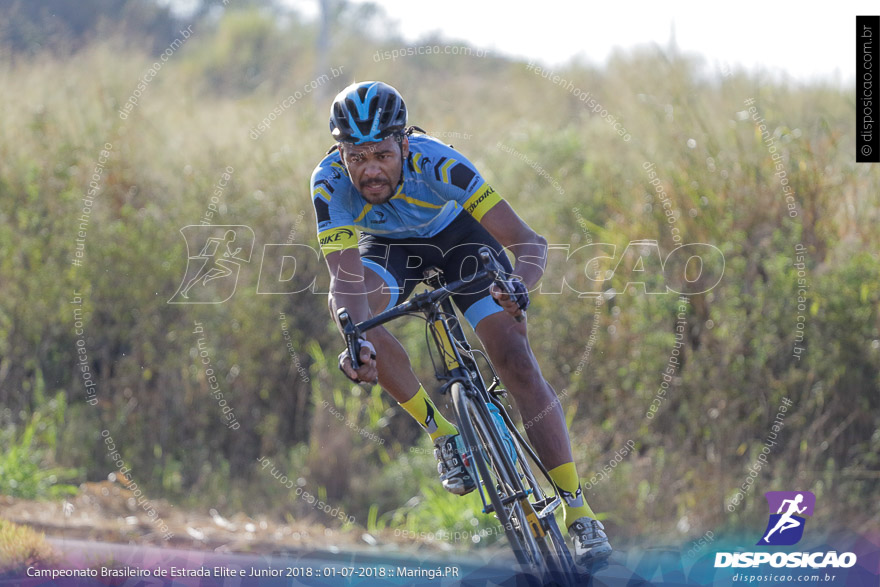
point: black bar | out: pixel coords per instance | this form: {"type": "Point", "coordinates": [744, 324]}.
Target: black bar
{"type": "Point", "coordinates": [434, 296]}
{"type": "Point", "coordinates": [867, 69]}
{"type": "Point", "coordinates": [387, 316]}
{"type": "Point", "coordinates": [452, 288]}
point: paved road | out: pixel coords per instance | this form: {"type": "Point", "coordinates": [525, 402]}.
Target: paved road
{"type": "Point", "coordinates": [139, 566]}
{"type": "Point", "coordinates": [162, 566]}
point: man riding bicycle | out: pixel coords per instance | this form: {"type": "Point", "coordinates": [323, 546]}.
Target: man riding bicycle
{"type": "Point", "coordinates": [419, 203]}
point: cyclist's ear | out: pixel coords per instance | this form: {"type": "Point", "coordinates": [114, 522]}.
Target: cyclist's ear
{"type": "Point", "coordinates": [404, 147]}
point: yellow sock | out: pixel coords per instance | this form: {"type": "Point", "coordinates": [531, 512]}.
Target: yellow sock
{"type": "Point", "coordinates": [427, 415]}
{"type": "Point", "coordinates": [574, 505]}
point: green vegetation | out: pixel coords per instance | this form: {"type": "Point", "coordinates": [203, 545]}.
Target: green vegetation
{"type": "Point", "coordinates": [20, 548]}
{"type": "Point", "coordinates": [26, 468]}
{"type": "Point", "coordinates": [193, 120]}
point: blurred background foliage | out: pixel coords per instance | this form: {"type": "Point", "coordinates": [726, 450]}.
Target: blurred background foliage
{"type": "Point", "coordinates": [74, 65]}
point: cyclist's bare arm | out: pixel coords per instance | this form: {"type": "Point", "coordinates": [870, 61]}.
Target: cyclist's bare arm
{"type": "Point", "coordinates": [529, 247]}
{"type": "Point", "coordinates": [348, 290]}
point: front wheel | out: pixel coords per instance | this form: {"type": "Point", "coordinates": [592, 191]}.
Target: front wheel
{"type": "Point", "coordinates": [553, 544]}
{"type": "Point", "coordinates": [466, 412]}
{"type": "Point", "coordinates": [500, 478]}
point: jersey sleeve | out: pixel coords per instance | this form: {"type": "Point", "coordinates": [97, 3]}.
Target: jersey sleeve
{"type": "Point", "coordinates": [336, 229]}
{"type": "Point", "coordinates": [456, 178]}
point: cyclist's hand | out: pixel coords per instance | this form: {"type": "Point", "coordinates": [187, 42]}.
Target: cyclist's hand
{"type": "Point", "coordinates": [514, 304]}
{"type": "Point", "coordinates": [367, 371]}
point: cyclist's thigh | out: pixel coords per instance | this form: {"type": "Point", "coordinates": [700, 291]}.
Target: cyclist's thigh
{"type": "Point", "coordinates": [461, 242]}
{"type": "Point", "coordinates": [378, 296]}
{"type": "Point", "coordinates": [387, 278]}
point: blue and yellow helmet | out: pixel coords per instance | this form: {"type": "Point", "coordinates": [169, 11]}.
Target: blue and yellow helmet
{"type": "Point", "coordinates": [367, 112]}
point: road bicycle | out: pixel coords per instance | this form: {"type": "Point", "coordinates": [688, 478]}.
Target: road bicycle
{"type": "Point", "coordinates": [494, 448]}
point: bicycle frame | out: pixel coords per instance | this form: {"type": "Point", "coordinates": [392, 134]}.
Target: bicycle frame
{"type": "Point", "coordinates": [459, 365]}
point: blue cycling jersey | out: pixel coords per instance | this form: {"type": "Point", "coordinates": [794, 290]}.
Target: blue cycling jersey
{"type": "Point", "coordinates": [438, 184]}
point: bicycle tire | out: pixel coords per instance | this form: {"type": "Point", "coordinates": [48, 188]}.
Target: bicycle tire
{"type": "Point", "coordinates": [535, 555]}
{"type": "Point", "coordinates": [549, 553]}
{"type": "Point", "coordinates": [530, 545]}
{"type": "Point", "coordinates": [563, 561]}
{"type": "Point", "coordinates": [474, 448]}
{"type": "Point", "coordinates": [553, 544]}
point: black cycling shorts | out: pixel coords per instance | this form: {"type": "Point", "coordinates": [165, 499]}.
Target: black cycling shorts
{"type": "Point", "coordinates": [401, 263]}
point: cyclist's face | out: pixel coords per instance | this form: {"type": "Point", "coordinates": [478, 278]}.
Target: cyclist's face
{"type": "Point", "coordinates": [375, 168]}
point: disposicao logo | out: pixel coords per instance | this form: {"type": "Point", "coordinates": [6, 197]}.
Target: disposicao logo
{"type": "Point", "coordinates": [785, 528]}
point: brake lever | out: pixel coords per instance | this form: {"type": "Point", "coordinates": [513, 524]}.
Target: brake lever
{"type": "Point", "coordinates": [497, 271]}
{"type": "Point", "coordinates": [349, 331]}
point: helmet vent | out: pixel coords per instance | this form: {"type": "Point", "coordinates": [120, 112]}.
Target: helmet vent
{"type": "Point", "coordinates": [367, 112]}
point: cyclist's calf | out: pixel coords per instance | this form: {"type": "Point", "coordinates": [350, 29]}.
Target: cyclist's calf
{"type": "Point", "coordinates": [508, 347]}
{"type": "Point", "coordinates": [507, 344]}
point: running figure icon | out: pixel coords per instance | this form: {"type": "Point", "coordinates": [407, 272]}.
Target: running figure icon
{"type": "Point", "coordinates": [786, 522]}
{"type": "Point", "coordinates": [214, 266]}
{"type": "Point", "coordinates": [789, 512]}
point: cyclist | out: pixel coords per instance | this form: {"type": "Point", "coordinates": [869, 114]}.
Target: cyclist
{"type": "Point", "coordinates": [418, 202]}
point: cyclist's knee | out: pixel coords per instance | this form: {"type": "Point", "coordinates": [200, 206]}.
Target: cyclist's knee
{"type": "Point", "coordinates": [378, 295]}
{"type": "Point", "coordinates": [520, 367]}
{"type": "Point", "coordinates": [378, 301]}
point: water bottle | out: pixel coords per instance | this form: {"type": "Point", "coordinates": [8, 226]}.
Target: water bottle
{"type": "Point", "coordinates": [501, 425]}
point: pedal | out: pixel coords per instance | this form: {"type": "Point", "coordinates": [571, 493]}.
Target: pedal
{"type": "Point", "coordinates": [547, 506]}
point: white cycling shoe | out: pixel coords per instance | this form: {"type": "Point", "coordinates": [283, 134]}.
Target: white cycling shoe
{"type": "Point", "coordinates": [453, 465]}
{"type": "Point", "coordinates": [590, 542]}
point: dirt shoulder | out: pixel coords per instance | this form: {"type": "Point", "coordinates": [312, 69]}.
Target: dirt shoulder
{"type": "Point", "coordinates": [106, 512]}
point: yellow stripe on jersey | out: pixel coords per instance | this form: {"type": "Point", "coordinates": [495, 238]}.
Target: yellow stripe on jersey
{"type": "Point", "coordinates": [444, 171]}
{"type": "Point", "coordinates": [415, 161]}
{"type": "Point", "coordinates": [323, 192]}
{"type": "Point", "coordinates": [337, 239]}
{"type": "Point", "coordinates": [482, 201]}
{"type": "Point", "coordinates": [415, 202]}
{"type": "Point", "coordinates": [367, 208]}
